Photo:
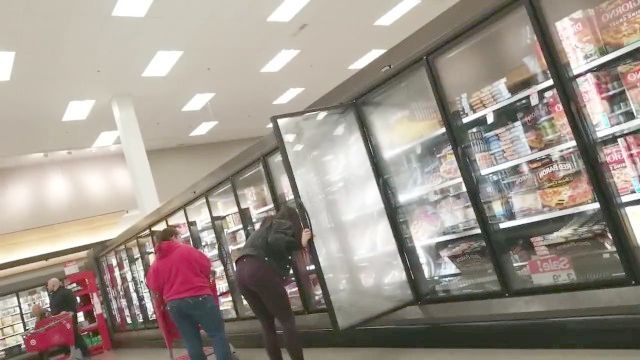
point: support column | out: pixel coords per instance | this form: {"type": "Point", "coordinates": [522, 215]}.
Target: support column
{"type": "Point", "coordinates": [135, 154]}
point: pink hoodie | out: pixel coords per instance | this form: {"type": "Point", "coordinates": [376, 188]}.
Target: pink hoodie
{"type": "Point", "coordinates": [179, 272]}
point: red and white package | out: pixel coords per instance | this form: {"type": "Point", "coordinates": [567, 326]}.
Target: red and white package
{"type": "Point", "coordinates": [589, 86]}
{"type": "Point", "coordinates": [559, 116]}
{"type": "Point", "coordinates": [621, 173]}
{"type": "Point", "coordinates": [580, 37]}
{"type": "Point", "coordinates": [630, 147]}
{"type": "Point", "coordinates": [630, 76]}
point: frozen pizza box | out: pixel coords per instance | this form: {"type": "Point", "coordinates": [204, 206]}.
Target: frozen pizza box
{"type": "Point", "coordinates": [580, 37]}
{"type": "Point", "coordinates": [630, 75]}
{"type": "Point", "coordinates": [595, 106]}
{"type": "Point", "coordinates": [619, 23]}
{"type": "Point", "coordinates": [562, 184]}
{"type": "Point", "coordinates": [622, 176]}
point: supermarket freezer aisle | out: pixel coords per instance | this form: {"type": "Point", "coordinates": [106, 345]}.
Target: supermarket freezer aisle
{"type": "Point", "coordinates": [403, 354]}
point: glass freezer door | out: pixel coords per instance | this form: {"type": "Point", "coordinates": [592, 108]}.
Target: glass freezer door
{"type": "Point", "coordinates": [537, 197]}
{"type": "Point", "coordinates": [29, 298]}
{"type": "Point", "coordinates": [432, 205]}
{"type": "Point", "coordinates": [179, 221]}
{"type": "Point", "coordinates": [329, 160]}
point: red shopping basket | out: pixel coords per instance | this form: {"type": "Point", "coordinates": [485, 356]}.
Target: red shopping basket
{"type": "Point", "coordinates": [52, 332]}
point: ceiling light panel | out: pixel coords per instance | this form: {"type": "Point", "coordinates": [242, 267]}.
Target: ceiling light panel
{"type": "Point", "coordinates": [6, 64]}
{"type": "Point", "coordinates": [162, 63]}
{"type": "Point", "coordinates": [131, 8]}
{"type": "Point", "coordinates": [203, 128]}
{"type": "Point", "coordinates": [396, 13]}
{"type": "Point", "coordinates": [287, 10]}
{"type": "Point", "coordinates": [78, 110]}
{"type": "Point", "coordinates": [288, 95]}
{"type": "Point", "coordinates": [280, 60]}
{"type": "Point", "coordinates": [106, 138]}
{"type": "Point", "coordinates": [367, 58]}
{"type": "Point", "coordinates": [198, 101]}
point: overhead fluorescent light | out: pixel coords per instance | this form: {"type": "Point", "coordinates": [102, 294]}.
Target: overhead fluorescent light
{"type": "Point", "coordinates": [6, 64]}
{"type": "Point", "coordinates": [287, 10]}
{"type": "Point", "coordinates": [78, 110]}
{"type": "Point", "coordinates": [298, 147]}
{"type": "Point", "coordinates": [290, 137]}
{"type": "Point", "coordinates": [270, 125]}
{"type": "Point", "coordinates": [367, 58]}
{"type": "Point", "coordinates": [131, 8]}
{"type": "Point", "coordinates": [203, 128]}
{"type": "Point", "coordinates": [321, 115]}
{"type": "Point", "coordinates": [198, 101]}
{"type": "Point", "coordinates": [288, 95]}
{"type": "Point", "coordinates": [396, 13]}
{"type": "Point", "coordinates": [162, 62]}
{"type": "Point", "coordinates": [106, 138]}
{"type": "Point", "coordinates": [280, 60]}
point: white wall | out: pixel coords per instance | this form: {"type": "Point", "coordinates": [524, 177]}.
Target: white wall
{"type": "Point", "coordinates": [66, 190]}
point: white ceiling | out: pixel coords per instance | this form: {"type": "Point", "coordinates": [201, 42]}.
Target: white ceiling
{"type": "Point", "coordinates": [73, 49]}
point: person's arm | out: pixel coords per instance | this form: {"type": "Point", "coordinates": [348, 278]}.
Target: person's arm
{"type": "Point", "coordinates": [282, 237]}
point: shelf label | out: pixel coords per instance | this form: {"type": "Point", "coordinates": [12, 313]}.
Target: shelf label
{"type": "Point", "coordinates": [551, 270]}
{"type": "Point", "coordinates": [534, 99]}
{"type": "Point", "coordinates": [490, 117]}
{"type": "Point", "coordinates": [71, 267]}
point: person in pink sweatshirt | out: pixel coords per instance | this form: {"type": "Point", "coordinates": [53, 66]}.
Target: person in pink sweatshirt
{"type": "Point", "coordinates": [181, 276]}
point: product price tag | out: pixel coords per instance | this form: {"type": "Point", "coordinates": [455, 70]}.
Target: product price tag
{"type": "Point", "coordinates": [551, 270]}
{"type": "Point", "coordinates": [490, 117]}
{"type": "Point", "coordinates": [534, 99]}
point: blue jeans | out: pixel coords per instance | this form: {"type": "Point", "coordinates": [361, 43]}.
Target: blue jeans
{"type": "Point", "coordinates": [191, 312]}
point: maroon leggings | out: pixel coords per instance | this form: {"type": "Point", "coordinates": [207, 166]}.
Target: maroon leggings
{"type": "Point", "coordinates": [264, 291]}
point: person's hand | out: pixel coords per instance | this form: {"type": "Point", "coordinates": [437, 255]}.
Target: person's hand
{"type": "Point", "coordinates": [306, 237]}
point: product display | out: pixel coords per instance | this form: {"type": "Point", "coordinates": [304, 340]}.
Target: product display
{"type": "Point", "coordinates": [580, 37]}
{"type": "Point", "coordinates": [619, 23]}
{"type": "Point", "coordinates": [630, 74]}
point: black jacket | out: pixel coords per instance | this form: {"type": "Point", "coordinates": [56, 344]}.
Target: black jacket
{"type": "Point", "coordinates": [274, 242]}
{"type": "Point", "coordinates": [61, 300]}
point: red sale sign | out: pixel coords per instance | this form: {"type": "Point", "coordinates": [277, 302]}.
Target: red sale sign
{"type": "Point", "coordinates": [551, 270]}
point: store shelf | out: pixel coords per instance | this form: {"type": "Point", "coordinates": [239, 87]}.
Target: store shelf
{"type": "Point", "coordinates": [233, 229]}
{"type": "Point", "coordinates": [236, 247]}
{"type": "Point", "coordinates": [8, 336]}
{"type": "Point", "coordinates": [399, 150]}
{"type": "Point", "coordinates": [10, 346]}
{"type": "Point", "coordinates": [447, 237]}
{"type": "Point", "coordinates": [581, 70]}
{"type": "Point", "coordinates": [422, 190]}
{"type": "Point", "coordinates": [623, 128]}
{"type": "Point", "coordinates": [532, 90]}
{"type": "Point", "coordinates": [10, 325]}
{"type": "Point", "coordinates": [375, 253]}
{"type": "Point", "coordinates": [264, 209]}
{"type": "Point", "coordinates": [630, 198]}
{"type": "Point", "coordinates": [529, 157]}
{"type": "Point", "coordinates": [550, 215]}
{"type": "Point", "coordinates": [584, 254]}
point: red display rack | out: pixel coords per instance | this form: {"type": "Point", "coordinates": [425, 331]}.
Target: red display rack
{"type": "Point", "coordinates": [89, 304]}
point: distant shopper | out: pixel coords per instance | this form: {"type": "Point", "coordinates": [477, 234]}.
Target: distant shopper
{"type": "Point", "coordinates": [39, 313]}
{"type": "Point", "coordinates": [263, 265]}
{"type": "Point", "coordinates": [180, 276]}
{"type": "Point", "coordinates": [62, 299]}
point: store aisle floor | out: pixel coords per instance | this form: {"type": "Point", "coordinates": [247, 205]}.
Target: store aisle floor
{"type": "Point", "coordinates": [402, 354]}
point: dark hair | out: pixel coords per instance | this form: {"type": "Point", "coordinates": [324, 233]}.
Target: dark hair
{"type": "Point", "coordinates": [290, 214]}
{"type": "Point", "coordinates": [168, 234]}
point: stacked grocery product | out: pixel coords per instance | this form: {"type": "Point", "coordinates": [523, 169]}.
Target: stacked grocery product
{"type": "Point", "coordinates": [29, 298]}
{"type": "Point", "coordinates": [592, 33]}
{"type": "Point", "coordinates": [408, 126]}
{"type": "Point", "coordinates": [11, 326]}
{"type": "Point", "coordinates": [484, 98]}
{"type": "Point", "coordinates": [623, 159]}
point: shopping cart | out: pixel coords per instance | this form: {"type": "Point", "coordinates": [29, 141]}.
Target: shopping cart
{"type": "Point", "coordinates": [50, 333]}
{"type": "Point", "coordinates": [169, 329]}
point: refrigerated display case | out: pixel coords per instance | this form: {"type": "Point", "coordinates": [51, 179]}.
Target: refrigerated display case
{"type": "Point", "coordinates": [537, 198]}
{"type": "Point", "coordinates": [179, 221]}
{"type": "Point", "coordinates": [231, 226]}
{"type": "Point", "coordinates": [118, 287]}
{"type": "Point", "coordinates": [108, 279]}
{"type": "Point", "coordinates": [597, 42]}
{"type": "Point", "coordinates": [202, 225]}
{"type": "Point", "coordinates": [129, 286]}
{"type": "Point", "coordinates": [143, 294]}
{"type": "Point", "coordinates": [11, 325]}
{"type": "Point", "coordinates": [29, 298]}
{"type": "Point", "coordinates": [438, 223]}
{"type": "Point", "coordinates": [305, 269]}
{"type": "Point", "coordinates": [362, 268]}
{"type": "Point", "coordinates": [147, 257]}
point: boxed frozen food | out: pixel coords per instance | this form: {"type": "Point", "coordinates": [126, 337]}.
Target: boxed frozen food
{"type": "Point", "coordinates": [580, 38]}
{"type": "Point", "coordinates": [619, 23]}
{"type": "Point", "coordinates": [551, 106]}
{"type": "Point", "coordinates": [630, 76]}
{"type": "Point", "coordinates": [562, 183]}
{"type": "Point", "coordinates": [448, 165]}
{"type": "Point", "coordinates": [630, 148]}
{"type": "Point", "coordinates": [528, 117]}
{"type": "Point", "coordinates": [468, 256]}
{"type": "Point", "coordinates": [596, 108]}
{"type": "Point", "coordinates": [621, 173]}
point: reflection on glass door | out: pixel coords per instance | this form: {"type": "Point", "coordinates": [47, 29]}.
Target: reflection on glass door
{"type": "Point", "coordinates": [536, 194]}
{"type": "Point", "coordinates": [138, 280]}
{"type": "Point", "coordinates": [305, 268]}
{"type": "Point", "coordinates": [231, 235]}
{"type": "Point", "coordinates": [179, 221]}
{"type": "Point", "coordinates": [598, 41]}
{"type": "Point", "coordinates": [432, 204]}
{"type": "Point", "coordinates": [116, 290]}
{"type": "Point", "coordinates": [200, 220]}
{"type": "Point", "coordinates": [128, 287]}
{"type": "Point", "coordinates": [338, 188]}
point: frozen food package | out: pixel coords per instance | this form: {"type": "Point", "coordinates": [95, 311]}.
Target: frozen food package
{"type": "Point", "coordinates": [580, 37]}
{"type": "Point", "coordinates": [554, 106]}
{"type": "Point", "coordinates": [630, 75]}
{"type": "Point", "coordinates": [595, 106]}
{"type": "Point", "coordinates": [528, 117]}
{"type": "Point", "coordinates": [622, 176]}
{"type": "Point", "coordinates": [630, 147]}
{"type": "Point", "coordinates": [468, 256]}
{"type": "Point", "coordinates": [562, 183]}
{"type": "Point", "coordinates": [619, 23]}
